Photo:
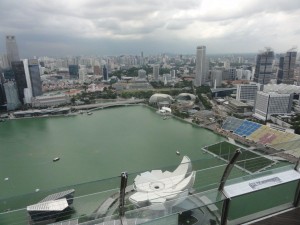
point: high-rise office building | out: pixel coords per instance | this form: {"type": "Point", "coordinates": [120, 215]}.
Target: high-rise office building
{"type": "Point", "coordinates": [105, 73]}
{"type": "Point", "coordinates": [267, 104]}
{"type": "Point", "coordinates": [242, 74]}
{"type": "Point", "coordinates": [2, 92]}
{"type": "Point", "coordinates": [74, 71]}
{"type": "Point", "coordinates": [12, 97]}
{"type": "Point", "coordinates": [173, 73]}
{"type": "Point", "coordinates": [216, 78]}
{"type": "Point", "coordinates": [28, 80]}
{"type": "Point", "coordinates": [27, 91]}
{"type": "Point", "coordinates": [156, 72]}
{"type": "Point", "coordinates": [12, 49]}
{"type": "Point", "coordinates": [246, 92]}
{"type": "Point", "coordinates": [142, 59]}
{"type": "Point", "coordinates": [263, 68]}
{"type": "Point", "coordinates": [2, 79]}
{"type": "Point", "coordinates": [20, 78]}
{"type": "Point", "coordinates": [229, 74]}
{"type": "Point", "coordinates": [200, 66]}
{"type": "Point", "coordinates": [280, 69]}
{"type": "Point", "coordinates": [35, 77]}
{"type": "Point", "coordinates": [4, 62]}
{"type": "Point", "coordinates": [286, 68]}
{"type": "Point", "coordinates": [82, 72]}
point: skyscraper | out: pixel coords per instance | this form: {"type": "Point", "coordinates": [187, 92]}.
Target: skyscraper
{"type": "Point", "coordinates": [263, 68]}
{"type": "Point", "coordinates": [28, 90]}
{"type": "Point", "coordinates": [246, 92]}
{"type": "Point", "coordinates": [74, 71]}
{"type": "Point", "coordinates": [12, 98]}
{"type": "Point", "coordinates": [2, 92]}
{"type": "Point", "coordinates": [35, 77]}
{"type": "Point", "coordinates": [105, 73]}
{"type": "Point", "coordinates": [267, 104]}
{"type": "Point", "coordinates": [142, 59]}
{"type": "Point", "coordinates": [173, 73]}
{"type": "Point", "coordinates": [155, 72]}
{"type": "Point", "coordinates": [229, 74]}
{"type": "Point", "coordinates": [12, 49]}
{"type": "Point", "coordinates": [28, 80]}
{"type": "Point", "coordinates": [280, 69]}
{"type": "Point", "coordinates": [19, 73]}
{"type": "Point", "coordinates": [4, 62]}
{"type": "Point", "coordinates": [217, 78]}
{"type": "Point", "coordinates": [82, 73]}
{"type": "Point", "coordinates": [286, 68]}
{"type": "Point", "coordinates": [200, 66]}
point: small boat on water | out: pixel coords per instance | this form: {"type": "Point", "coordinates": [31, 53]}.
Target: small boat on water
{"type": "Point", "coordinates": [90, 113]}
{"type": "Point", "coordinates": [56, 159]}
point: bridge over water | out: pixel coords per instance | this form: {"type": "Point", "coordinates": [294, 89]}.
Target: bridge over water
{"type": "Point", "coordinates": [108, 104]}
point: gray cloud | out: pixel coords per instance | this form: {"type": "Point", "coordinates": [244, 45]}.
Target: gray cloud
{"type": "Point", "coordinates": [178, 24]}
{"type": "Point", "coordinates": [104, 26]}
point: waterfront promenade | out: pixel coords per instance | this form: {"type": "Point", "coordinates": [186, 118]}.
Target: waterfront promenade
{"type": "Point", "coordinates": [108, 104]}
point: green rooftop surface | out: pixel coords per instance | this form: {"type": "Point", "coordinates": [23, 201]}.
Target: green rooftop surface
{"type": "Point", "coordinates": [248, 160]}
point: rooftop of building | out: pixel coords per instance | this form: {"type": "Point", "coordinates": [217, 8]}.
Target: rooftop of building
{"type": "Point", "coordinates": [273, 93]}
{"type": "Point", "coordinates": [282, 88]}
{"type": "Point", "coordinates": [213, 90]}
{"type": "Point", "coordinates": [238, 103]}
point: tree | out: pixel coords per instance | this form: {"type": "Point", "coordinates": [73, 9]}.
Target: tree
{"type": "Point", "coordinates": [73, 100]}
{"type": "Point", "coordinates": [157, 84]}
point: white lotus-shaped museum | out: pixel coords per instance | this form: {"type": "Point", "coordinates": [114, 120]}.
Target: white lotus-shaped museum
{"type": "Point", "coordinates": [159, 188]}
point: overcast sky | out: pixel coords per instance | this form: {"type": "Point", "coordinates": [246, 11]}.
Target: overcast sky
{"type": "Point", "coordinates": [112, 27]}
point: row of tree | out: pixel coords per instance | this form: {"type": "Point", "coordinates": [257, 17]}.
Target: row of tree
{"type": "Point", "coordinates": [295, 121]}
{"type": "Point", "coordinates": [201, 93]}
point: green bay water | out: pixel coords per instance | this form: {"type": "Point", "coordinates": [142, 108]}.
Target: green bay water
{"type": "Point", "coordinates": [92, 147]}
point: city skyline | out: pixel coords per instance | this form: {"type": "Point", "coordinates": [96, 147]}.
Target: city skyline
{"type": "Point", "coordinates": [112, 28]}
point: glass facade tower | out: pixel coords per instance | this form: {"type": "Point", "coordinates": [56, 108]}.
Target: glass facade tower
{"type": "Point", "coordinates": [263, 68]}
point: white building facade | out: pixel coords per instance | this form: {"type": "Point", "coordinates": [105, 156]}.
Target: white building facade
{"type": "Point", "coordinates": [27, 91]}
{"type": "Point", "coordinates": [246, 92]}
{"type": "Point", "coordinates": [242, 74]}
{"type": "Point", "coordinates": [267, 104]}
{"type": "Point", "coordinates": [217, 78]}
{"type": "Point", "coordinates": [200, 66]}
{"type": "Point", "coordinates": [50, 100]}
